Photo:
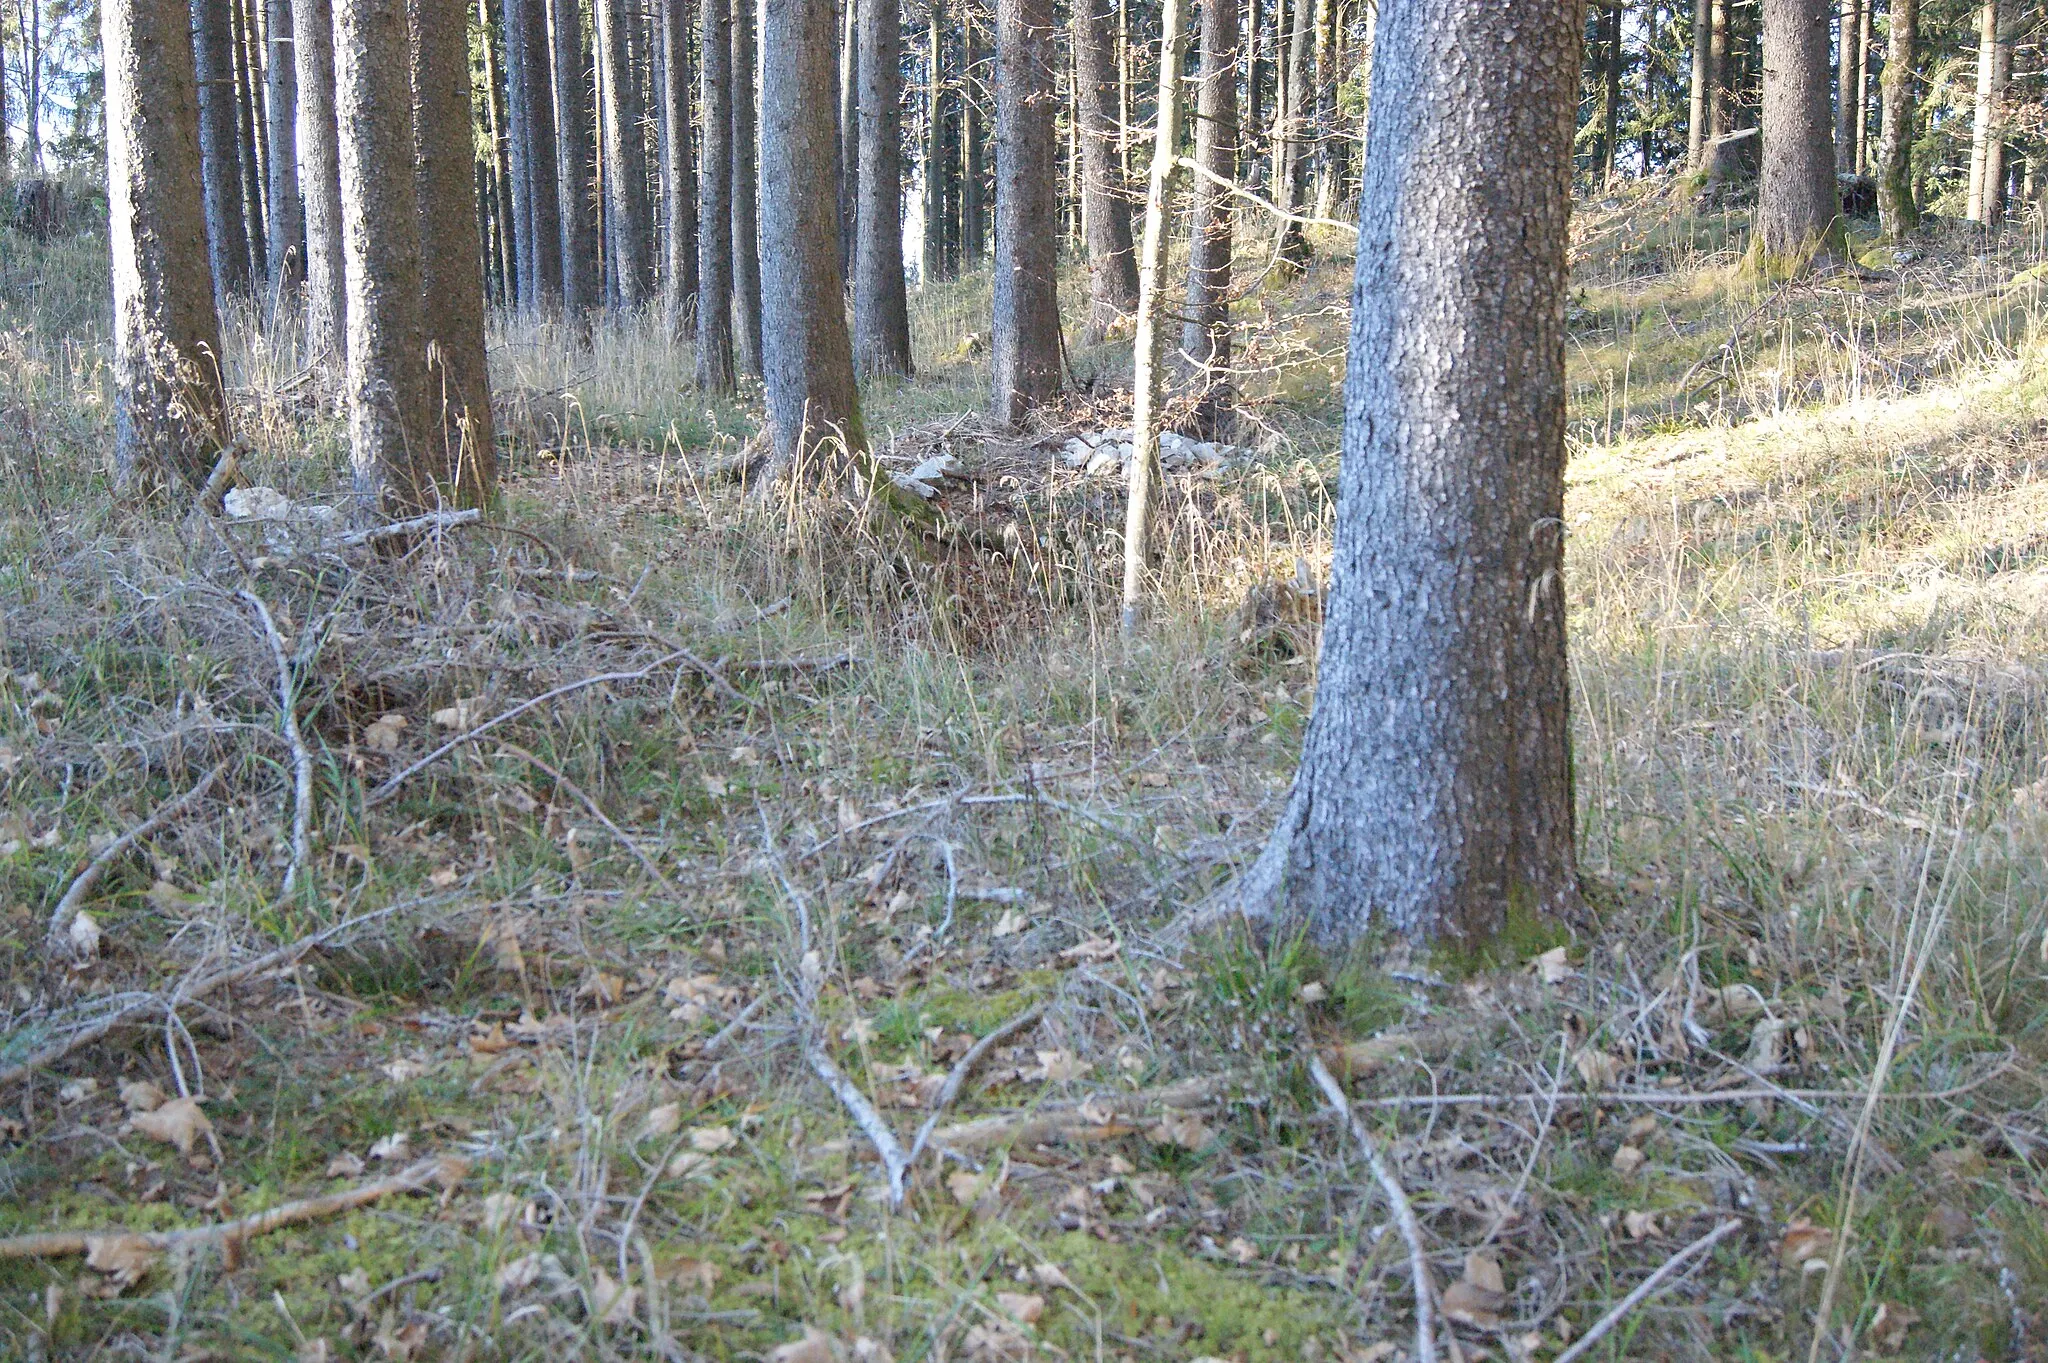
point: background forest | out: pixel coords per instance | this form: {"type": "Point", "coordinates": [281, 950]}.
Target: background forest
{"type": "Point", "coordinates": [661, 662]}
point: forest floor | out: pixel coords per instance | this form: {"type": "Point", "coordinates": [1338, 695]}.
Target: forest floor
{"type": "Point", "coordinates": [808, 801]}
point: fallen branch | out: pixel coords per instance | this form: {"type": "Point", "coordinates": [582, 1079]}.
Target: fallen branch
{"type": "Point", "coordinates": [440, 520]}
{"type": "Point", "coordinates": [57, 938]}
{"type": "Point", "coordinates": [646, 862]}
{"type": "Point", "coordinates": [302, 759]}
{"type": "Point", "coordinates": [1648, 1288]}
{"type": "Point", "coordinates": [725, 1034]}
{"type": "Point", "coordinates": [1106, 1116]}
{"type": "Point", "coordinates": [1397, 1203]}
{"type": "Point", "coordinates": [964, 1067]}
{"type": "Point", "coordinates": [866, 1117]}
{"type": "Point", "coordinates": [391, 784]}
{"type": "Point", "coordinates": [54, 1244]}
{"type": "Point", "coordinates": [825, 664]}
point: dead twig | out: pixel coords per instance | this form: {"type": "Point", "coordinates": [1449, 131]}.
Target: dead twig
{"type": "Point", "coordinates": [440, 520]}
{"type": "Point", "coordinates": [646, 862]}
{"type": "Point", "coordinates": [56, 939]}
{"type": "Point", "coordinates": [964, 1067]}
{"type": "Point", "coordinates": [1648, 1288]}
{"type": "Point", "coordinates": [288, 721]}
{"type": "Point", "coordinates": [1397, 1203]}
{"type": "Point", "coordinates": [865, 1116]}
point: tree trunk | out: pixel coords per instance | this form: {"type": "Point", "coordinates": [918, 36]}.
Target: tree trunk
{"type": "Point", "coordinates": [533, 129]}
{"type": "Point", "coordinates": [389, 419]}
{"type": "Point", "coordinates": [1610, 99]}
{"type": "Point", "coordinates": [1254, 86]}
{"type": "Point", "coordinates": [320, 185]}
{"type": "Point", "coordinates": [281, 94]}
{"type": "Point", "coordinates": [1798, 207]}
{"type": "Point", "coordinates": [973, 173]}
{"type": "Point", "coordinates": [714, 201]}
{"type": "Point", "coordinates": [5, 168]}
{"type": "Point", "coordinates": [1896, 210]}
{"type": "Point", "coordinates": [809, 369]}
{"type": "Point", "coordinates": [1434, 794]}
{"type": "Point", "coordinates": [881, 312]}
{"type": "Point", "coordinates": [170, 414]}
{"type": "Point", "coordinates": [1699, 122]}
{"type": "Point", "coordinates": [227, 230]}
{"type": "Point", "coordinates": [249, 145]}
{"type": "Point", "coordinates": [1025, 341]}
{"type": "Point", "coordinates": [1148, 379]}
{"type": "Point", "coordinates": [1721, 101]}
{"type": "Point", "coordinates": [1987, 133]}
{"type": "Point", "coordinates": [1290, 160]}
{"type": "Point", "coordinates": [575, 164]}
{"type": "Point", "coordinates": [679, 275]}
{"type": "Point", "coordinates": [501, 163]}
{"type": "Point", "coordinates": [1112, 264]}
{"type": "Point", "coordinates": [1205, 338]}
{"type": "Point", "coordinates": [849, 131]}
{"type": "Point", "coordinates": [1845, 86]}
{"type": "Point", "coordinates": [1864, 44]}
{"type": "Point", "coordinates": [746, 217]}
{"type": "Point", "coordinates": [461, 441]}
{"type": "Point", "coordinates": [931, 252]}
{"type": "Point", "coordinates": [625, 156]}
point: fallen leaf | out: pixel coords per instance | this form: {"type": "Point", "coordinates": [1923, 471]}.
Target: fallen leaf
{"type": "Point", "coordinates": [1627, 1160]}
{"type": "Point", "coordinates": [1806, 1246]}
{"type": "Point", "coordinates": [493, 1042]}
{"type": "Point", "coordinates": [1183, 1129]}
{"type": "Point", "coordinates": [178, 1122]}
{"type": "Point", "coordinates": [815, 1347]}
{"type": "Point", "coordinates": [1483, 1270]}
{"type": "Point", "coordinates": [614, 1305]}
{"type": "Point", "coordinates": [140, 1095]}
{"type": "Point", "coordinates": [316, 1350]}
{"type": "Point", "coordinates": [347, 1164]}
{"type": "Point", "coordinates": [1315, 991]}
{"type": "Point", "coordinates": [85, 937]}
{"type": "Point", "coordinates": [462, 716]}
{"type": "Point", "coordinates": [1052, 1275]}
{"type": "Point", "coordinates": [443, 877]}
{"type": "Point", "coordinates": [1011, 923]}
{"type": "Point", "coordinates": [1241, 1249]}
{"type": "Point", "coordinates": [709, 1140]}
{"type": "Point", "coordinates": [1553, 966]}
{"type": "Point", "coordinates": [1091, 951]}
{"type": "Point", "coordinates": [382, 734]}
{"type": "Point", "coordinates": [499, 1209]}
{"type": "Point", "coordinates": [1025, 1306]}
{"type": "Point", "coordinates": [1640, 1225]}
{"type": "Point", "coordinates": [1642, 1128]}
{"type": "Point", "coordinates": [1061, 1066]}
{"type": "Point", "coordinates": [1887, 1332]}
{"type": "Point", "coordinates": [1470, 1304]}
{"type": "Point", "coordinates": [355, 1282]}
{"type": "Point", "coordinates": [78, 1090]}
{"type": "Point", "coordinates": [867, 1350]}
{"type": "Point", "coordinates": [701, 1274]}
{"type": "Point", "coordinates": [1599, 1069]}
{"type": "Point", "coordinates": [686, 1163]}
{"type": "Point", "coordinates": [664, 1120]}
{"type": "Point", "coordinates": [402, 1344]}
{"type": "Point", "coordinates": [393, 1147]}
{"type": "Point", "coordinates": [402, 1071]}
{"type": "Point", "coordinates": [123, 1258]}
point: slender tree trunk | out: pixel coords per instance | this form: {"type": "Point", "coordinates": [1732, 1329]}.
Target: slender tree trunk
{"type": "Point", "coordinates": [249, 144]}
{"type": "Point", "coordinates": [1721, 102]}
{"type": "Point", "coordinates": [1896, 209]}
{"type": "Point", "coordinates": [809, 369]}
{"type": "Point", "coordinates": [1112, 264]}
{"type": "Point", "coordinates": [1987, 133]}
{"type": "Point", "coordinates": [461, 443]}
{"type": "Point", "coordinates": [6, 168]}
{"type": "Point", "coordinates": [1148, 380]}
{"type": "Point", "coordinates": [575, 164]}
{"type": "Point", "coordinates": [1798, 207]}
{"type": "Point", "coordinates": [746, 217]}
{"type": "Point", "coordinates": [1699, 122]}
{"type": "Point", "coordinates": [1025, 349]}
{"type": "Point", "coordinates": [519, 146]}
{"type": "Point", "coordinates": [1290, 141]}
{"type": "Point", "coordinates": [714, 200]}
{"type": "Point", "coordinates": [170, 414]}
{"type": "Point", "coordinates": [973, 173]}
{"type": "Point", "coordinates": [1434, 794]}
{"type": "Point", "coordinates": [625, 156]}
{"type": "Point", "coordinates": [1865, 25]}
{"type": "Point", "coordinates": [281, 94]}
{"type": "Point", "coordinates": [1205, 337]}
{"type": "Point", "coordinates": [849, 130]}
{"type": "Point", "coordinates": [679, 277]}
{"type": "Point", "coordinates": [931, 253]}
{"type": "Point", "coordinates": [389, 417]}
{"type": "Point", "coordinates": [227, 230]}
{"type": "Point", "coordinates": [1845, 85]}
{"type": "Point", "coordinates": [1254, 85]}
{"type": "Point", "coordinates": [1610, 97]}
{"type": "Point", "coordinates": [881, 312]}
{"type": "Point", "coordinates": [501, 162]}
{"type": "Point", "coordinates": [532, 69]}
{"type": "Point", "coordinates": [320, 185]}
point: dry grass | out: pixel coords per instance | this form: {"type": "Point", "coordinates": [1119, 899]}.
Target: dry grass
{"type": "Point", "coordinates": [1808, 629]}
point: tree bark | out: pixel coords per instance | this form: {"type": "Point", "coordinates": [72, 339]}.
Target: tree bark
{"type": "Point", "coordinates": [1845, 85]}
{"type": "Point", "coordinates": [1205, 338]}
{"type": "Point", "coordinates": [931, 254]}
{"type": "Point", "coordinates": [530, 85]}
{"type": "Point", "coordinates": [501, 163]}
{"type": "Point", "coordinates": [1721, 100]}
{"type": "Point", "coordinates": [575, 164]}
{"type": "Point", "coordinates": [1699, 121]}
{"type": "Point", "coordinates": [170, 413]}
{"type": "Point", "coordinates": [1112, 263]}
{"type": "Point", "coordinates": [1434, 798]}
{"type": "Point", "coordinates": [1987, 133]}
{"type": "Point", "coordinates": [625, 156]}
{"type": "Point", "coordinates": [1798, 208]}
{"type": "Point", "coordinates": [849, 131]}
{"type": "Point", "coordinates": [1896, 210]}
{"type": "Point", "coordinates": [881, 311]}
{"type": "Point", "coordinates": [281, 94]}
{"type": "Point", "coordinates": [1254, 86]}
{"type": "Point", "coordinates": [461, 441]}
{"type": "Point", "coordinates": [389, 419]}
{"type": "Point", "coordinates": [1025, 342]}
{"type": "Point", "coordinates": [1865, 24]}
{"type": "Point", "coordinates": [746, 216]}
{"type": "Point", "coordinates": [320, 185]}
{"type": "Point", "coordinates": [227, 230]}
{"type": "Point", "coordinates": [679, 275]}
{"type": "Point", "coordinates": [249, 143]}
{"type": "Point", "coordinates": [1290, 159]}
{"type": "Point", "coordinates": [809, 357]}
{"type": "Point", "coordinates": [1610, 99]}
{"type": "Point", "coordinates": [714, 201]}
{"type": "Point", "coordinates": [973, 171]}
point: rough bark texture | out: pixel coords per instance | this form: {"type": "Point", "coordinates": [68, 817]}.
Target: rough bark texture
{"type": "Point", "coordinates": [1845, 85]}
{"type": "Point", "coordinates": [460, 442]}
{"type": "Point", "coordinates": [249, 144]}
{"type": "Point", "coordinates": [1895, 207]}
{"type": "Point", "coordinates": [281, 95]}
{"type": "Point", "coordinates": [931, 256]}
{"type": "Point", "coordinates": [320, 184]}
{"type": "Point", "coordinates": [809, 369]}
{"type": "Point", "coordinates": [1025, 340]}
{"type": "Point", "coordinates": [881, 312]}
{"type": "Point", "coordinates": [1434, 794]}
{"type": "Point", "coordinates": [679, 241]}
{"type": "Point", "coordinates": [1987, 131]}
{"type": "Point", "coordinates": [625, 156]}
{"type": "Point", "coordinates": [169, 411]}
{"type": "Point", "coordinates": [746, 216]}
{"type": "Point", "coordinates": [1205, 337]}
{"type": "Point", "coordinates": [575, 163]}
{"type": "Point", "coordinates": [849, 129]}
{"type": "Point", "coordinates": [1798, 207]}
{"type": "Point", "coordinates": [1290, 148]}
{"type": "Point", "coordinates": [388, 419]}
{"type": "Point", "coordinates": [1698, 121]}
{"type": "Point", "coordinates": [227, 231]}
{"type": "Point", "coordinates": [503, 255]}
{"type": "Point", "coordinates": [1112, 263]}
{"type": "Point", "coordinates": [536, 211]}
{"type": "Point", "coordinates": [973, 171]}
{"type": "Point", "coordinates": [714, 201]}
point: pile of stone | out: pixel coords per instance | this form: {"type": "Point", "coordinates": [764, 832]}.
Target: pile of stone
{"type": "Point", "coordinates": [1106, 453]}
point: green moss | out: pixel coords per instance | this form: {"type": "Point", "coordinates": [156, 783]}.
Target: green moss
{"type": "Point", "coordinates": [1525, 931]}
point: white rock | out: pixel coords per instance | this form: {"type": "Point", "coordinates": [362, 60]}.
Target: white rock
{"type": "Point", "coordinates": [1076, 452]}
{"type": "Point", "coordinates": [1103, 460]}
{"type": "Point", "coordinates": [259, 504]}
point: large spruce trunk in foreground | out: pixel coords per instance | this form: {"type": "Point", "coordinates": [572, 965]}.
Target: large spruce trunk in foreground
{"type": "Point", "coordinates": [1025, 345]}
{"type": "Point", "coordinates": [1434, 795]}
{"type": "Point", "coordinates": [881, 311]}
{"type": "Point", "coordinates": [169, 411]}
{"type": "Point", "coordinates": [1798, 204]}
{"type": "Point", "coordinates": [808, 355]}
{"type": "Point", "coordinates": [1112, 260]}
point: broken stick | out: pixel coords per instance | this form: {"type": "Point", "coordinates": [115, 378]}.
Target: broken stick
{"type": "Point", "coordinates": [57, 938]}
